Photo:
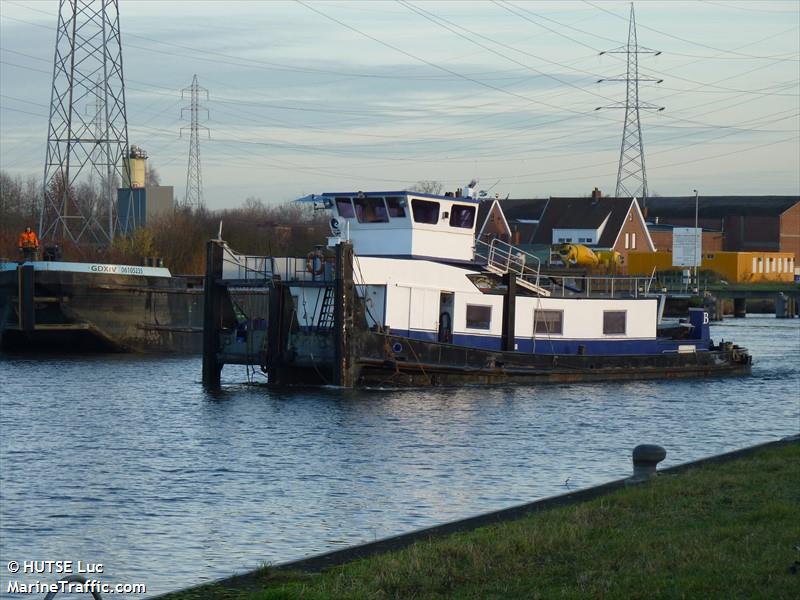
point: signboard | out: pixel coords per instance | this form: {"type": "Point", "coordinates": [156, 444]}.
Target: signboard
{"type": "Point", "coordinates": [687, 248]}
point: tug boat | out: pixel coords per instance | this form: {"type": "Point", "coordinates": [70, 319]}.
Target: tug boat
{"type": "Point", "coordinates": [403, 294]}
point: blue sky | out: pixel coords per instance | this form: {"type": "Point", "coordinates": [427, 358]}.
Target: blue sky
{"type": "Point", "coordinates": [308, 97]}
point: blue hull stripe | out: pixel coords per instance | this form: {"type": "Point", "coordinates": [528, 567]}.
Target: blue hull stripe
{"type": "Point", "coordinates": [545, 346]}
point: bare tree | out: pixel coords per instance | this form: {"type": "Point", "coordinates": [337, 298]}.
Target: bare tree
{"type": "Point", "coordinates": [427, 186]}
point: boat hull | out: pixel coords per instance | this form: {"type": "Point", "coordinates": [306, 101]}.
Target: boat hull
{"type": "Point", "coordinates": [78, 311]}
{"type": "Point", "coordinates": [384, 360]}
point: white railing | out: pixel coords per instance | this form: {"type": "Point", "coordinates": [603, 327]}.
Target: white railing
{"type": "Point", "coordinates": [501, 258]}
{"type": "Point", "coordinates": [605, 286]}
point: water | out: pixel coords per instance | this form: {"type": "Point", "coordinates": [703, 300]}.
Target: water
{"type": "Point", "coordinates": [128, 462]}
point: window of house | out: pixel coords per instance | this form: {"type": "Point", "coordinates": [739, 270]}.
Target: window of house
{"type": "Point", "coordinates": [345, 208]}
{"type": "Point", "coordinates": [462, 216]}
{"type": "Point", "coordinates": [614, 322]}
{"type": "Point", "coordinates": [396, 206]}
{"type": "Point", "coordinates": [627, 241]}
{"type": "Point", "coordinates": [633, 241]}
{"type": "Point", "coordinates": [550, 322]}
{"type": "Point", "coordinates": [370, 210]}
{"type": "Point", "coordinates": [479, 317]}
{"type": "Point", "coordinates": [425, 211]}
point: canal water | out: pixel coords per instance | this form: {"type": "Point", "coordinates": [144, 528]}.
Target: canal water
{"type": "Point", "coordinates": [127, 462]}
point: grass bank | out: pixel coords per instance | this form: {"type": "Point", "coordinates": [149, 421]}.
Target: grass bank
{"type": "Point", "coordinates": [725, 530]}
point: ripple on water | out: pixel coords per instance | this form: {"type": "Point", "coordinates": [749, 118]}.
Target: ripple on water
{"type": "Point", "coordinates": [126, 461]}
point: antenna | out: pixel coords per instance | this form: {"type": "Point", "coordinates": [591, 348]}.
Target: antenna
{"type": "Point", "coordinates": [87, 66]}
{"type": "Point", "coordinates": [631, 174]}
{"type": "Point", "coordinates": [194, 176]}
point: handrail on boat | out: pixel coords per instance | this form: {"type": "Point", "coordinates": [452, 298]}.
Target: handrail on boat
{"type": "Point", "coordinates": [502, 257]}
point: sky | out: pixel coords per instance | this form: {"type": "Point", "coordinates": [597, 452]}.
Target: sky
{"type": "Point", "coordinates": [311, 97]}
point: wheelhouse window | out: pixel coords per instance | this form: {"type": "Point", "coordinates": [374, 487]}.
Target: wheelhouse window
{"type": "Point", "coordinates": [396, 206]}
{"type": "Point", "coordinates": [548, 322]}
{"type": "Point", "coordinates": [462, 216]}
{"type": "Point", "coordinates": [479, 317]}
{"type": "Point", "coordinates": [345, 208]}
{"type": "Point", "coordinates": [370, 210]}
{"type": "Point", "coordinates": [425, 211]}
{"type": "Point", "coordinates": [614, 322]}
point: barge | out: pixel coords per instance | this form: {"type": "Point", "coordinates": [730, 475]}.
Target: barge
{"type": "Point", "coordinates": [57, 306]}
{"type": "Point", "coordinates": [403, 294]}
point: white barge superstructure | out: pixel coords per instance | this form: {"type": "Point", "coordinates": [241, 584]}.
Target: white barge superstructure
{"type": "Point", "coordinates": [410, 297]}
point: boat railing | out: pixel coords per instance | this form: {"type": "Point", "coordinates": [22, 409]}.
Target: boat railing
{"type": "Point", "coordinates": [500, 258]}
{"type": "Point", "coordinates": [594, 286]}
{"type": "Point", "coordinates": [242, 267]}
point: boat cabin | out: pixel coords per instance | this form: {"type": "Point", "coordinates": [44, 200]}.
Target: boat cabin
{"type": "Point", "coordinates": [404, 224]}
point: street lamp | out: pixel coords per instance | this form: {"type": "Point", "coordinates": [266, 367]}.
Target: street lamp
{"type": "Point", "coordinates": [694, 252]}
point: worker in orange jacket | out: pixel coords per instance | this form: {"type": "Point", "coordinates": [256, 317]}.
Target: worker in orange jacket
{"type": "Point", "coordinates": [28, 244]}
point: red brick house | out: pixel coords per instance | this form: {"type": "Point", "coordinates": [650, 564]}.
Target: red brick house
{"type": "Point", "coordinates": [602, 223]}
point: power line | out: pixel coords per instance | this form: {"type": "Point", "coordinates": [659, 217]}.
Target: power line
{"type": "Point", "coordinates": [194, 174]}
{"type": "Point", "coordinates": [631, 174]}
{"type": "Point", "coordinates": [87, 66]}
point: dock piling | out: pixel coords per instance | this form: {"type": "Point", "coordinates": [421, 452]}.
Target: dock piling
{"type": "Point", "coordinates": [343, 368]}
{"type": "Point", "coordinates": [739, 308]}
{"type": "Point", "coordinates": [212, 314]}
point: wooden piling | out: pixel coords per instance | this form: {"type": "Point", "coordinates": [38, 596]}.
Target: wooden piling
{"type": "Point", "coordinates": [25, 288]}
{"type": "Point", "coordinates": [212, 315]}
{"type": "Point", "coordinates": [509, 312]}
{"type": "Point", "coordinates": [343, 368]}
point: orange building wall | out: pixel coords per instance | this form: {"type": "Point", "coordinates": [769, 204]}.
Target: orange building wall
{"type": "Point", "coordinates": [734, 267]}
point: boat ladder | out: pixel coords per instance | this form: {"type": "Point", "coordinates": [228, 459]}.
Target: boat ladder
{"type": "Point", "coordinates": [326, 316]}
{"type": "Point", "coordinates": [501, 257]}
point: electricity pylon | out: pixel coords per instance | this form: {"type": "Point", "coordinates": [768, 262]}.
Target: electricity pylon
{"type": "Point", "coordinates": [87, 67]}
{"type": "Point", "coordinates": [194, 175]}
{"type": "Point", "coordinates": [631, 174]}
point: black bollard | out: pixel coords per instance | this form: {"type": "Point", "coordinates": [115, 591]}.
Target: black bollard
{"type": "Point", "coordinates": [645, 459]}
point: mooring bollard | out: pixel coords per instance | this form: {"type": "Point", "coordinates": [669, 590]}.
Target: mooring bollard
{"type": "Point", "coordinates": [645, 459]}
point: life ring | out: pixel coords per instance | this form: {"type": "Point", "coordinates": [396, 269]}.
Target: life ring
{"type": "Point", "coordinates": [320, 264]}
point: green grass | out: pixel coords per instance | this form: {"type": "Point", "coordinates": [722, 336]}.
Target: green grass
{"type": "Point", "coordinates": [728, 530]}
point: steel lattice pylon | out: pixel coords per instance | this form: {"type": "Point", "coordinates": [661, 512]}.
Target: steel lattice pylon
{"type": "Point", "coordinates": [87, 70]}
{"type": "Point", "coordinates": [631, 174]}
{"type": "Point", "coordinates": [194, 175]}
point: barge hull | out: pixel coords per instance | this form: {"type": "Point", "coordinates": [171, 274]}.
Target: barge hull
{"type": "Point", "coordinates": [100, 312]}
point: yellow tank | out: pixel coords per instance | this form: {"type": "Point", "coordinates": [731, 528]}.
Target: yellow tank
{"type": "Point", "coordinates": [578, 255]}
{"type": "Point", "coordinates": [133, 172]}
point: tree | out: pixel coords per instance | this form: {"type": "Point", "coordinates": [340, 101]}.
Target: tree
{"type": "Point", "coordinates": [427, 186]}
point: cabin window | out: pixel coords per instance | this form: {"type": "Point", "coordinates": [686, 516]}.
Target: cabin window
{"type": "Point", "coordinates": [370, 210]}
{"type": "Point", "coordinates": [345, 208]}
{"type": "Point", "coordinates": [550, 322]}
{"type": "Point", "coordinates": [397, 207]}
{"type": "Point", "coordinates": [479, 317]}
{"type": "Point", "coordinates": [462, 216]}
{"type": "Point", "coordinates": [614, 322]}
{"type": "Point", "coordinates": [425, 211]}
